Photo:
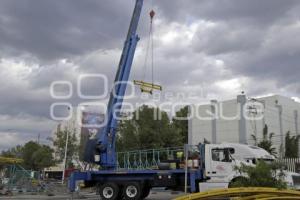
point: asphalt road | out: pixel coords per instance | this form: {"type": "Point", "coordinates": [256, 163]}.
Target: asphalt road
{"type": "Point", "coordinates": [154, 195]}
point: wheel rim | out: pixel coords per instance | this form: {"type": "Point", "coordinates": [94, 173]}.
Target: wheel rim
{"type": "Point", "coordinates": [108, 192]}
{"type": "Point", "coordinates": [131, 191]}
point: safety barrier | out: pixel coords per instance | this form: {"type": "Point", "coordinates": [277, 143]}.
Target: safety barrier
{"type": "Point", "coordinates": [145, 159]}
{"type": "Point", "coordinates": [244, 193]}
{"type": "Point", "coordinates": [14, 176]}
{"type": "Point", "coordinates": [149, 158]}
{"type": "Point", "coordinates": [292, 164]}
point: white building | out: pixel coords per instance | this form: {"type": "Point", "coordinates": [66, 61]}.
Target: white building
{"type": "Point", "coordinates": [237, 119]}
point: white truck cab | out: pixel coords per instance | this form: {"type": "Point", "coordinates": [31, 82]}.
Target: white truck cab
{"type": "Point", "coordinates": [220, 160]}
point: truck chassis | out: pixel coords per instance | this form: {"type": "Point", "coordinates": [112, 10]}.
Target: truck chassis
{"type": "Point", "coordinates": [136, 184]}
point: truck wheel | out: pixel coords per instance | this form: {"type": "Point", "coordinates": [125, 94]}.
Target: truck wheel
{"type": "Point", "coordinates": [146, 192]}
{"type": "Point", "coordinates": [132, 191]}
{"type": "Point", "coordinates": [109, 191]}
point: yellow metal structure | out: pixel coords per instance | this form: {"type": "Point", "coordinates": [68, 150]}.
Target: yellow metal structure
{"type": "Point", "coordinates": [147, 87]}
{"type": "Point", "coordinates": [244, 193]}
{"type": "Point", "coordinates": [253, 197]}
{"type": "Point", "coordinates": [7, 161]}
{"type": "Point", "coordinates": [281, 197]}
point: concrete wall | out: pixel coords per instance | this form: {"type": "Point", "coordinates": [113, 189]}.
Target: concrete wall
{"type": "Point", "coordinates": [281, 114]}
{"type": "Point", "coordinates": [200, 129]}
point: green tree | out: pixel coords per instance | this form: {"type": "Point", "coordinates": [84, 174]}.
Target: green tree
{"type": "Point", "coordinates": [15, 152]}
{"type": "Point", "coordinates": [181, 123]}
{"type": "Point", "coordinates": [35, 156]}
{"type": "Point", "coordinates": [266, 142]}
{"type": "Point", "coordinates": [291, 145]}
{"type": "Point", "coordinates": [59, 143]}
{"type": "Point", "coordinates": [28, 152]}
{"type": "Point", "coordinates": [127, 137]}
{"type": "Point", "coordinates": [261, 175]}
{"type": "Point", "coordinates": [43, 157]}
{"type": "Point", "coordinates": [148, 128]}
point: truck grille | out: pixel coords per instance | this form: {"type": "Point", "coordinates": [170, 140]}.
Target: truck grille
{"type": "Point", "coordinates": [296, 180]}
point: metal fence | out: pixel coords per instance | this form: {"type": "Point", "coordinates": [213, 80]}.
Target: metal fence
{"type": "Point", "coordinates": [15, 177]}
{"type": "Point", "coordinates": [149, 159]}
{"type": "Point", "coordinates": [292, 164]}
{"type": "Point", "coordinates": [145, 159]}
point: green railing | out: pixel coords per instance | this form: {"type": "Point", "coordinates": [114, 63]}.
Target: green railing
{"type": "Point", "coordinates": [147, 158]}
{"type": "Point", "coordinates": [18, 177]}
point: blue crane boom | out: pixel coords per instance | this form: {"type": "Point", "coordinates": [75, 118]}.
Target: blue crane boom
{"type": "Point", "coordinates": [101, 150]}
{"type": "Point", "coordinates": [113, 183]}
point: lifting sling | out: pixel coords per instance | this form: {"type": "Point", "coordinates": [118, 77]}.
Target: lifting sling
{"type": "Point", "coordinates": [147, 87]}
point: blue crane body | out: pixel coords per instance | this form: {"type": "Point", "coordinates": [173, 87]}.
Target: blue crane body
{"type": "Point", "coordinates": [101, 150]}
{"type": "Point", "coordinates": [103, 146]}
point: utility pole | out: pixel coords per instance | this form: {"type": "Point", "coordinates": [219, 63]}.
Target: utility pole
{"type": "Point", "coordinates": [66, 150]}
{"type": "Point", "coordinates": [253, 111]}
{"type": "Point", "coordinates": [65, 158]}
{"type": "Point", "coordinates": [282, 146]}
{"type": "Point", "coordinates": [38, 139]}
{"type": "Point", "coordinates": [186, 154]}
{"type": "Point", "coordinates": [296, 121]}
{"type": "Point", "coordinates": [296, 128]}
{"type": "Point", "coordinates": [241, 100]}
{"type": "Point", "coordinates": [214, 121]}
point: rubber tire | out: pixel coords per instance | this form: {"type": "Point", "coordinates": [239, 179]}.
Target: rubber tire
{"type": "Point", "coordinates": [115, 189]}
{"type": "Point", "coordinates": [146, 192]}
{"type": "Point", "coordinates": [138, 187]}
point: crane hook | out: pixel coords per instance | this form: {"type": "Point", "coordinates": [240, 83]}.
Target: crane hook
{"type": "Point", "coordinates": [152, 13]}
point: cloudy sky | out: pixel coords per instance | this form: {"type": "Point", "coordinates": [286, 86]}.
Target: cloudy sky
{"type": "Point", "coordinates": [209, 49]}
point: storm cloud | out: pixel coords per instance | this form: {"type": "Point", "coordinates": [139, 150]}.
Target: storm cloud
{"type": "Point", "coordinates": [213, 48]}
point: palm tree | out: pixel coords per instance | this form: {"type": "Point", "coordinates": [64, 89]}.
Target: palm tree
{"type": "Point", "coordinates": [266, 142]}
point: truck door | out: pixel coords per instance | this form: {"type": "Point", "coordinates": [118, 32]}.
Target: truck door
{"type": "Point", "coordinates": [221, 164]}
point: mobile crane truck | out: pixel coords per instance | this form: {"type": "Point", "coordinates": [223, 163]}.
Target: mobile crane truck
{"type": "Point", "coordinates": [215, 162]}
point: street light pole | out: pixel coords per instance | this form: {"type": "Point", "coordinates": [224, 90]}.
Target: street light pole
{"type": "Point", "coordinates": [65, 158]}
{"type": "Point", "coordinates": [66, 150]}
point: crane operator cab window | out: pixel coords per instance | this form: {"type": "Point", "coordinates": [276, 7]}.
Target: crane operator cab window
{"type": "Point", "coordinates": [222, 155]}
